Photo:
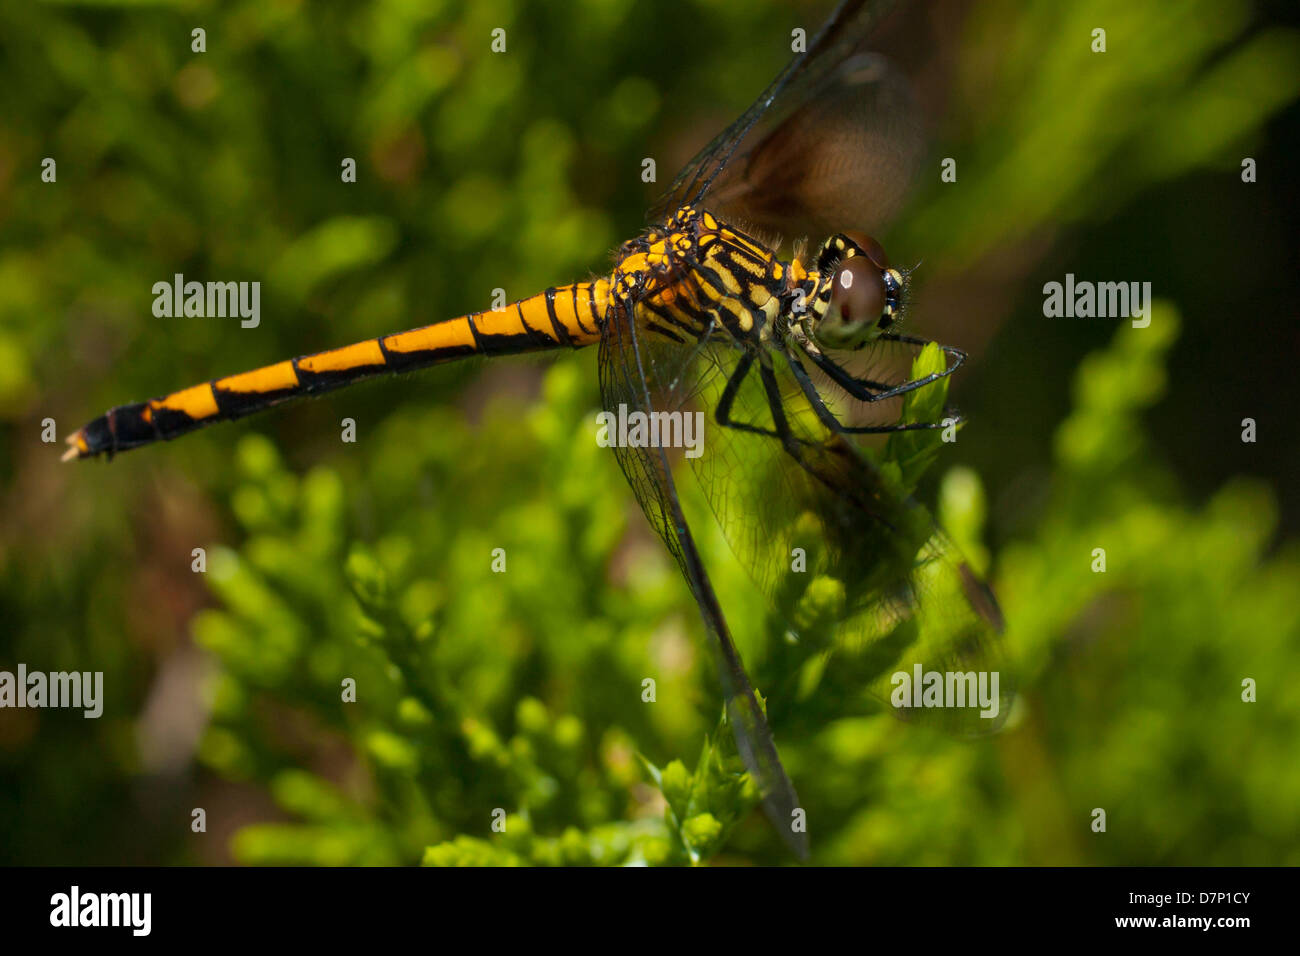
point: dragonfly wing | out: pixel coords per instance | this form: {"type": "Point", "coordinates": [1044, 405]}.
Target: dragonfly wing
{"type": "Point", "coordinates": [819, 74]}
{"type": "Point", "coordinates": [636, 368]}
{"type": "Point", "coordinates": [869, 586]}
{"type": "Point", "coordinates": [844, 160]}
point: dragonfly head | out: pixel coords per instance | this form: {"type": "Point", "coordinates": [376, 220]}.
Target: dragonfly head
{"type": "Point", "coordinates": [858, 295]}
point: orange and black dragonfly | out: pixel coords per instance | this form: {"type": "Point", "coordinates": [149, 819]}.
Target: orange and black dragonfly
{"type": "Point", "coordinates": [698, 314]}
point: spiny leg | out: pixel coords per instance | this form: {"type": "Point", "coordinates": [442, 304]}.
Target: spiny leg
{"type": "Point", "coordinates": [828, 419]}
{"type": "Point", "coordinates": [782, 432]}
{"type": "Point", "coordinates": [867, 390]}
{"type": "Point", "coordinates": [728, 399]}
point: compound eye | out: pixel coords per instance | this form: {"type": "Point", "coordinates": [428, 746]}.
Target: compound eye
{"type": "Point", "coordinates": [857, 301]}
{"type": "Point", "coordinates": [859, 291]}
{"type": "Point", "coordinates": [870, 248]}
{"type": "Point", "coordinates": [893, 280]}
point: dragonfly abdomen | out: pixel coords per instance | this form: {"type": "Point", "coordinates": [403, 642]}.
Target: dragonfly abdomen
{"type": "Point", "coordinates": [560, 317]}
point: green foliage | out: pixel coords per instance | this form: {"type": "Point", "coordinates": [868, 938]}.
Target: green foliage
{"type": "Point", "coordinates": [1192, 604]}
{"type": "Point", "coordinates": [909, 454]}
{"type": "Point", "coordinates": [1068, 135]}
{"type": "Point", "coordinates": [444, 652]}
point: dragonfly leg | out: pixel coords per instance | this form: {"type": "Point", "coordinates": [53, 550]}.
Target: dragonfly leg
{"type": "Point", "coordinates": [867, 390]}
{"type": "Point", "coordinates": [784, 432]}
{"type": "Point", "coordinates": [728, 400]}
{"type": "Point", "coordinates": [830, 421]}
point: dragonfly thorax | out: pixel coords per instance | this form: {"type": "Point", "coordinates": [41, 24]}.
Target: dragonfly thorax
{"type": "Point", "coordinates": [697, 277]}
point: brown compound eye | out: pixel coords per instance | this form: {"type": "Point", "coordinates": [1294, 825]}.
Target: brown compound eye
{"type": "Point", "coordinates": [857, 300]}
{"type": "Point", "coordinates": [859, 291]}
{"type": "Point", "coordinates": [872, 249]}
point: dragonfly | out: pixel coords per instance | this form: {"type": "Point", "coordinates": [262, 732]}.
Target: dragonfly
{"type": "Point", "coordinates": [700, 312]}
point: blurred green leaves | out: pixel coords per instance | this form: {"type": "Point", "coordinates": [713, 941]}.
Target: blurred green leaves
{"type": "Point", "coordinates": [333, 247]}
{"type": "Point", "coordinates": [703, 807]}
{"type": "Point", "coordinates": [909, 454]}
{"type": "Point", "coordinates": [1067, 134]}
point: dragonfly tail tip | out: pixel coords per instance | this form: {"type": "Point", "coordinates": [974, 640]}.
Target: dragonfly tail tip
{"type": "Point", "coordinates": [77, 447]}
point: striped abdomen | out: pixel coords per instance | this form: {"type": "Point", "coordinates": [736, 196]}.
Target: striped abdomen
{"type": "Point", "coordinates": [570, 315]}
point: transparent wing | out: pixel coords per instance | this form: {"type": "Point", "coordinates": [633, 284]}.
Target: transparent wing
{"type": "Point", "coordinates": [831, 144]}
{"type": "Point", "coordinates": [843, 160]}
{"type": "Point", "coordinates": [632, 366]}
{"type": "Point", "coordinates": [870, 588]}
